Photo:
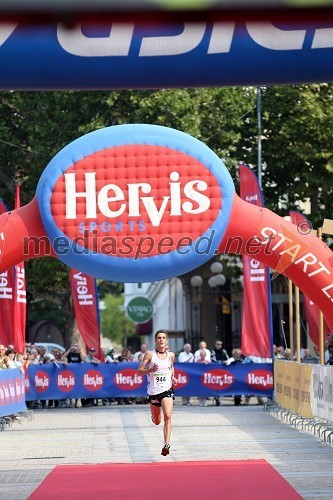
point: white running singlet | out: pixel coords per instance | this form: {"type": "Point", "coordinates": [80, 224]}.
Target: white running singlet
{"type": "Point", "coordinates": [159, 381]}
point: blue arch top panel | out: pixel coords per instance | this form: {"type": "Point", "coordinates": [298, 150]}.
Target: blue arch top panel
{"type": "Point", "coordinates": [120, 56]}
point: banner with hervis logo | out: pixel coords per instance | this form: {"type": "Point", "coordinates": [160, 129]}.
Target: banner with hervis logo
{"type": "Point", "coordinates": [87, 380]}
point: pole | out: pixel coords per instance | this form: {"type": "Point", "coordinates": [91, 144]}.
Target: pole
{"type": "Point", "coordinates": [259, 136]}
{"type": "Point", "coordinates": [321, 320]}
{"type": "Point", "coordinates": [291, 318]}
{"type": "Point", "coordinates": [298, 326]}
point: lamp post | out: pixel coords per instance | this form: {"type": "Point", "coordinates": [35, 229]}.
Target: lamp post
{"type": "Point", "coordinates": [215, 281]}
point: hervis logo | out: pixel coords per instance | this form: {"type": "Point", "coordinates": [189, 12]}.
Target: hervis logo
{"type": "Point", "coordinates": [93, 380]}
{"type": "Point", "coordinates": [260, 379]}
{"type": "Point", "coordinates": [181, 378]}
{"type": "Point", "coordinates": [12, 392]}
{"type": "Point", "coordinates": [2, 395]}
{"type": "Point", "coordinates": [135, 193]}
{"type": "Point", "coordinates": [19, 389]}
{"type": "Point", "coordinates": [217, 379]}
{"type": "Point", "coordinates": [41, 381]}
{"type": "Point", "coordinates": [27, 383]}
{"type": "Point", "coordinates": [6, 392]}
{"type": "Point", "coordinates": [66, 381]}
{"type": "Point", "coordinates": [128, 379]}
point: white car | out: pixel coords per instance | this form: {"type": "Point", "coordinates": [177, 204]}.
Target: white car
{"type": "Point", "coordinates": [49, 346]}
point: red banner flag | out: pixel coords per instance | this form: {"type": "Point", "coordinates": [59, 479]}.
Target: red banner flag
{"type": "Point", "coordinates": [257, 319]}
{"type": "Point", "coordinates": [84, 293]}
{"type": "Point", "coordinates": [310, 309]}
{"type": "Point", "coordinates": [20, 295]}
{"type": "Point", "coordinates": [6, 295]}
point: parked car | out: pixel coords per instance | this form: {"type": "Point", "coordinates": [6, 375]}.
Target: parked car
{"type": "Point", "coordinates": [49, 346]}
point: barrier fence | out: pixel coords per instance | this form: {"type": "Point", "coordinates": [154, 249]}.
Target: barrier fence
{"type": "Point", "coordinates": [122, 380]}
{"type": "Point", "coordinates": [12, 392]}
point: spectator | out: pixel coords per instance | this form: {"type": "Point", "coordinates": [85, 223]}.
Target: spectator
{"type": "Point", "coordinates": [202, 359]}
{"type": "Point", "coordinates": [143, 350]}
{"type": "Point", "coordinates": [10, 353]}
{"type": "Point", "coordinates": [236, 357]}
{"type": "Point", "coordinates": [90, 358]}
{"type": "Point", "coordinates": [124, 358]}
{"type": "Point", "coordinates": [309, 358]}
{"type": "Point", "coordinates": [279, 352]}
{"type": "Point", "coordinates": [3, 358]}
{"type": "Point", "coordinates": [186, 356]}
{"type": "Point", "coordinates": [42, 353]}
{"type": "Point", "coordinates": [110, 358]}
{"type": "Point", "coordinates": [73, 354]}
{"type": "Point", "coordinates": [218, 355]}
{"type": "Point", "coordinates": [287, 355]}
{"type": "Point", "coordinates": [202, 345]}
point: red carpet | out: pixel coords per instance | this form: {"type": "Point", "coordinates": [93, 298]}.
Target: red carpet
{"type": "Point", "coordinates": [231, 480]}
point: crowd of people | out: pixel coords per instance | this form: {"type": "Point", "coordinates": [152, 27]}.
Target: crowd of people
{"type": "Point", "coordinates": [34, 355]}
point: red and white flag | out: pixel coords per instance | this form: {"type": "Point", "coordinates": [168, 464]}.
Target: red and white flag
{"type": "Point", "coordinates": [84, 294]}
{"type": "Point", "coordinates": [20, 296]}
{"type": "Point", "coordinates": [257, 338]}
{"type": "Point", "coordinates": [6, 294]}
{"type": "Point", "coordinates": [310, 309]}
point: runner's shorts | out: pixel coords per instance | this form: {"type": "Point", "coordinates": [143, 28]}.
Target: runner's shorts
{"type": "Point", "coordinates": [156, 399]}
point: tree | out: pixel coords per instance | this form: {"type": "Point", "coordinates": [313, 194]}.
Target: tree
{"type": "Point", "coordinates": [115, 324]}
{"type": "Point", "coordinates": [297, 148]}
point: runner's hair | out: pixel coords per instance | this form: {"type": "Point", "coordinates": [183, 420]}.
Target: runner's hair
{"type": "Point", "coordinates": [161, 331]}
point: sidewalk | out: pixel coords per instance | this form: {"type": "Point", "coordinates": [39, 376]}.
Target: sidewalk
{"type": "Point", "coordinates": [125, 434]}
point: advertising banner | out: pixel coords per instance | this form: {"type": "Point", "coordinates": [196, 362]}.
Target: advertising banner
{"type": "Point", "coordinates": [6, 291]}
{"type": "Point", "coordinates": [293, 386]}
{"type": "Point", "coordinates": [20, 296]}
{"type": "Point", "coordinates": [311, 310]}
{"type": "Point", "coordinates": [87, 380]}
{"type": "Point", "coordinates": [257, 338]}
{"type": "Point", "coordinates": [141, 55]}
{"type": "Point", "coordinates": [85, 302]}
{"type": "Point", "coordinates": [12, 392]}
{"type": "Point", "coordinates": [322, 396]}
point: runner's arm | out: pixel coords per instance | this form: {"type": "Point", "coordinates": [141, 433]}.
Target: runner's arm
{"type": "Point", "coordinates": [173, 378]}
{"type": "Point", "coordinates": [142, 370]}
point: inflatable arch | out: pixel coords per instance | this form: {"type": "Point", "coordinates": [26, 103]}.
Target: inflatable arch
{"type": "Point", "coordinates": [144, 203]}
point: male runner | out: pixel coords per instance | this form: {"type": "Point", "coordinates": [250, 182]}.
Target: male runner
{"type": "Point", "coordinates": [158, 366]}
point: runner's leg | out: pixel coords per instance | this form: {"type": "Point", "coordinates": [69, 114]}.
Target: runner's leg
{"type": "Point", "coordinates": [155, 414]}
{"type": "Point", "coordinates": [167, 405]}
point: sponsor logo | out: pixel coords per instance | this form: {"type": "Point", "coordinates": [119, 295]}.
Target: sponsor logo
{"type": "Point", "coordinates": [18, 388]}
{"type": "Point", "coordinates": [27, 383]}
{"type": "Point", "coordinates": [6, 392]}
{"type": "Point", "coordinates": [93, 380]}
{"type": "Point", "coordinates": [2, 396]}
{"type": "Point", "coordinates": [120, 39]}
{"type": "Point", "coordinates": [41, 381]}
{"type": "Point", "coordinates": [251, 198]}
{"type": "Point", "coordinates": [128, 379]}
{"type": "Point", "coordinates": [181, 378]}
{"type": "Point", "coordinates": [66, 381]}
{"type": "Point", "coordinates": [260, 379]}
{"type": "Point", "coordinates": [12, 392]}
{"type": "Point", "coordinates": [105, 195]}
{"type": "Point", "coordinates": [217, 379]}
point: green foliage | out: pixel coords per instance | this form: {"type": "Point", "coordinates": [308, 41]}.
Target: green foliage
{"type": "Point", "coordinates": [115, 325]}
{"type": "Point", "coordinates": [297, 152]}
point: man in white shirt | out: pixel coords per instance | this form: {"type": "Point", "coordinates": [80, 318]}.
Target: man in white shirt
{"type": "Point", "coordinates": [202, 346]}
{"type": "Point", "coordinates": [143, 350]}
{"type": "Point", "coordinates": [186, 356]}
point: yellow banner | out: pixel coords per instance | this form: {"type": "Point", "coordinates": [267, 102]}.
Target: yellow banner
{"type": "Point", "coordinates": [292, 385]}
